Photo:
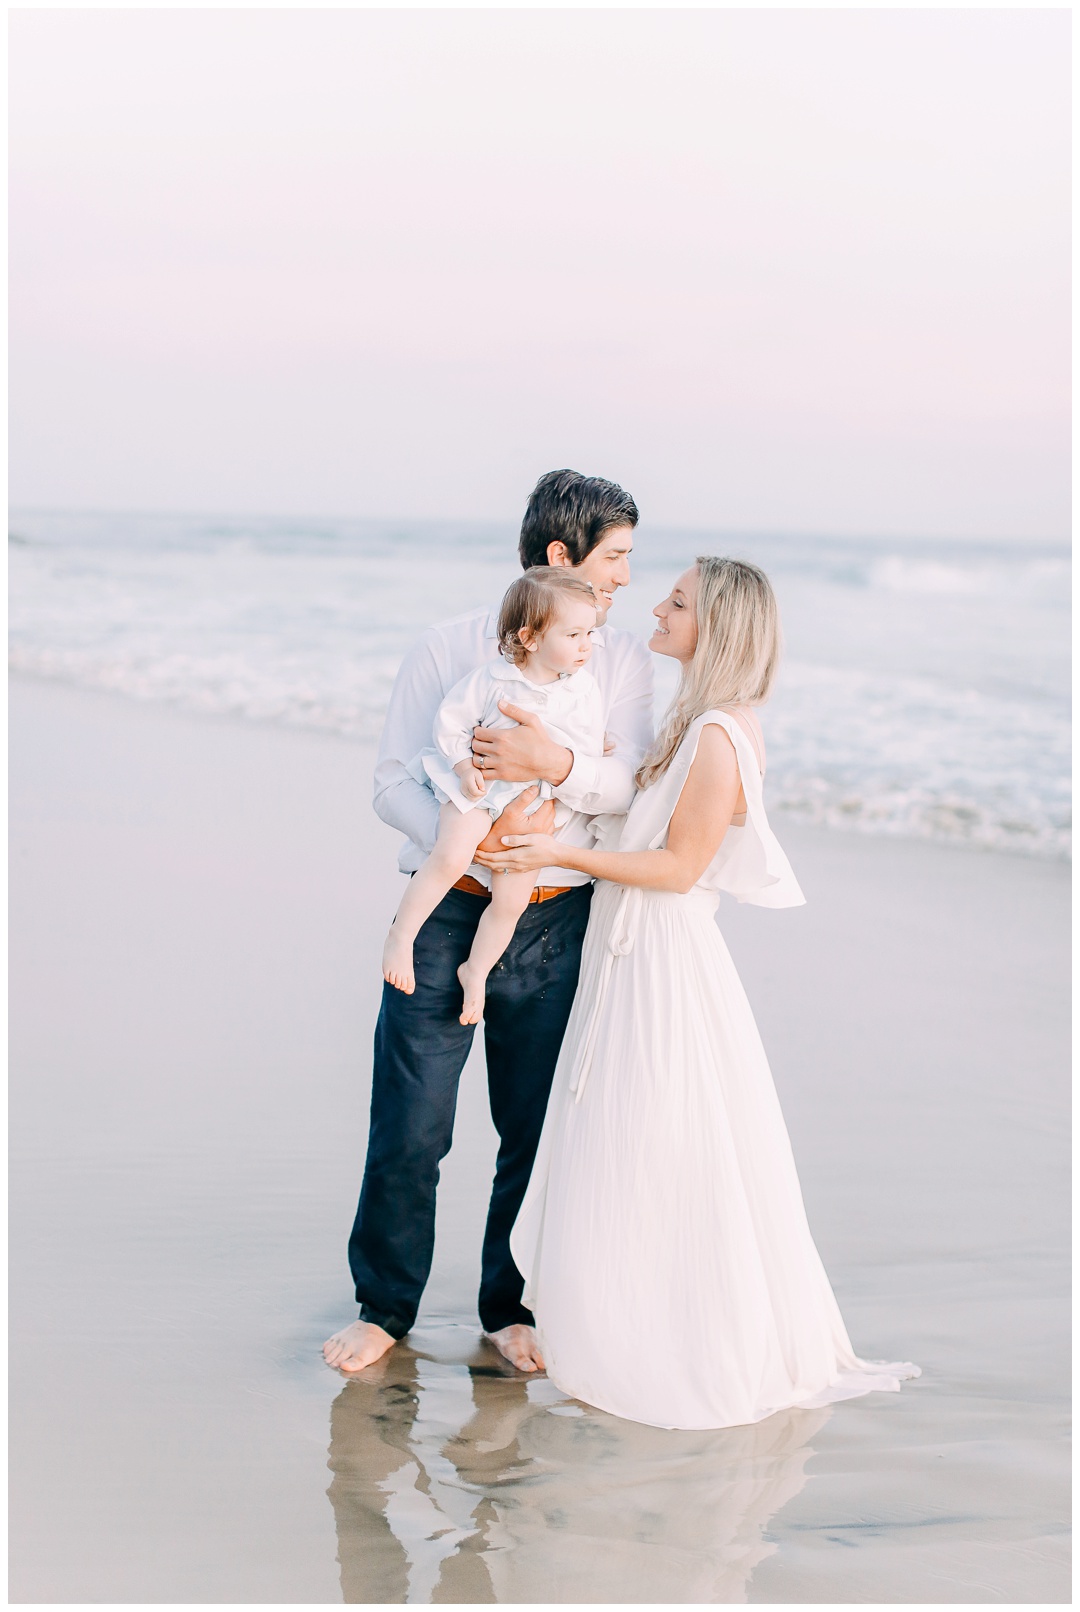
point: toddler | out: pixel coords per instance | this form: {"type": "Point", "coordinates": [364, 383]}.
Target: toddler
{"type": "Point", "coordinates": [545, 623]}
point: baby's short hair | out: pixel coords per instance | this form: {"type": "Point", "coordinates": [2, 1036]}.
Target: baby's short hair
{"type": "Point", "coordinates": [531, 604]}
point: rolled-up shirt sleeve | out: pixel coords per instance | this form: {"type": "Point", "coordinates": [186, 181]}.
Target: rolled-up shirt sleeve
{"type": "Point", "coordinates": [399, 799]}
{"type": "Point", "coordinates": [606, 783]}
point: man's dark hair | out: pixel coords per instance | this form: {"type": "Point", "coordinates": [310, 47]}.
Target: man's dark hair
{"type": "Point", "coordinates": [565, 507]}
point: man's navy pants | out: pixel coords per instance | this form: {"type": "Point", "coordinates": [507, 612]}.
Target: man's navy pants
{"type": "Point", "coordinates": [420, 1051]}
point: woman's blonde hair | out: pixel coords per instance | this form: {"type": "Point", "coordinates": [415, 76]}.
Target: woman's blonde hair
{"type": "Point", "coordinates": [531, 604]}
{"type": "Point", "coordinates": [736, 657]}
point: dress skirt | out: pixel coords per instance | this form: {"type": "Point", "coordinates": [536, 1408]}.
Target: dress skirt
{"type": "Point", "coordinates": [663, 1239]}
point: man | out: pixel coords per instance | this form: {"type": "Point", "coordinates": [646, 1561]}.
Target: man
{"type": "Point", "coordinates": [420, 1047]}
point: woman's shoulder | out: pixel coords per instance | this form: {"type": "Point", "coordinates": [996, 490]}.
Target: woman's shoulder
{"type": "Point", "coordinates": [731, 719]}
{"type": "Point", "coordinates": [707, 756]}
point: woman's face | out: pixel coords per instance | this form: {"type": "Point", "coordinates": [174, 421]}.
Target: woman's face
{"type": "Point", "coordinates": [676, 633]}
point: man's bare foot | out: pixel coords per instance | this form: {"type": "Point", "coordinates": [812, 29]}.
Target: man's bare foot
{"type": "Point", "coordinates": [472, 985]}
{"type": "Point", "coordinates": [357, 1346]}
{"type": "Point", "coordinates": [397, 966]}
{"type": "Point", "coordinates": [518, 1344]}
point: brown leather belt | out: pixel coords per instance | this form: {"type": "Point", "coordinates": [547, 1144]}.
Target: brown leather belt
{"type": "Point", "coordinates": [543, 892]}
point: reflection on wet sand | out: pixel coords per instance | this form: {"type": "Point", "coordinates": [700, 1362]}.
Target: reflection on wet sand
{"type": "Point", "coordinates": [456, 1480]}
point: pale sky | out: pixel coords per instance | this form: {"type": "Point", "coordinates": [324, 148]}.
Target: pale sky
{"type": "Point", "coordinates": [772, 270]}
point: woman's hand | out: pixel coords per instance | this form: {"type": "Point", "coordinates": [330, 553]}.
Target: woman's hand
{"type": "Point", "coordinates": [524, 853]}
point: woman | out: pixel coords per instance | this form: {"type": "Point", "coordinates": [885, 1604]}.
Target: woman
{"type": "Point", "coordinates": [663, 1238]}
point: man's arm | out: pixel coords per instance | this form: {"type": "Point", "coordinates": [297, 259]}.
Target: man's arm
{"type": "Point", "coordinates": [606, 783]}
{"type": "Point", "coordinates": [399, 799]}
{"type": "Point", "coordinates": [584, 783]}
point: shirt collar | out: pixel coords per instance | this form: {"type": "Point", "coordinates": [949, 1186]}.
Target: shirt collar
{"type": "Point", "coordinates": [505, 671]}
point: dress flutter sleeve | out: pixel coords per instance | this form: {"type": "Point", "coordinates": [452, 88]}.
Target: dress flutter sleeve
{"type": "Point", "coordinates": [750, 864]}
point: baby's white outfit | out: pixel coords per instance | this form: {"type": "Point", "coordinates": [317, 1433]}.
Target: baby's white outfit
{"type": "Point", "coordinates": [571, 710]}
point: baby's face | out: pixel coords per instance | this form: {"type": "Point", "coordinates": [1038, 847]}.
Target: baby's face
{"type": "Point", "coordinates": [566, 644]}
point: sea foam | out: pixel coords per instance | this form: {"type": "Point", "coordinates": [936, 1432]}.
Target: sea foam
{"type": "Point", "coordinates": [924, 691]}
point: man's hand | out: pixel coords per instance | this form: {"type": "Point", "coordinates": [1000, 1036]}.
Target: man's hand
{"type": "Point", "coordinates": [513, 820]}
{"type": "Point", "coordinates": [473, 786]}
{"type": "Point", "coordinates": [518, 754]}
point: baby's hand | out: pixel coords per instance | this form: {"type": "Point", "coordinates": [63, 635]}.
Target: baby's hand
{"type": "Point", "coordinates": [472, 780]}
{"type": "Point", "coordinates": [609, 744]}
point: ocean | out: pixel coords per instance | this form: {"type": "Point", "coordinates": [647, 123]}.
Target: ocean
{"type": "Point", "coordinates": [924, 690]}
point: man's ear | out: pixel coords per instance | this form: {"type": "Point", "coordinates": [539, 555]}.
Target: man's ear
{"type": "Point", "coordinates": [558, 554]}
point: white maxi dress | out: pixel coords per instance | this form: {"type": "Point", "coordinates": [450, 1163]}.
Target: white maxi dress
{"type": "Point", "coordinates": [663, 1239]}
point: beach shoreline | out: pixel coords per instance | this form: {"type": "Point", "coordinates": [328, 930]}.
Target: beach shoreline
{"type": "Point", "coordinates": [197, 913]}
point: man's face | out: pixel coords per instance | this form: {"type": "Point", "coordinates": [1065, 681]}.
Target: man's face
{"type": "Point", "coordinates": [607, 567]}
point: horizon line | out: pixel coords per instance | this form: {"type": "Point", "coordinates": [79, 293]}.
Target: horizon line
{"type": "Point", "coordinates": [819, 534]}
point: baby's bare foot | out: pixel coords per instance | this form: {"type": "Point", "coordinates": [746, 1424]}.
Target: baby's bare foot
{"type": "Point", "coordinates": [397, 965]}
{"type": "Point", "coordinates": [472, 985]}
{"type": "Point", "coordinates": [357, 1346]}
{"type": "Point", "coordinates": [518, 1344]}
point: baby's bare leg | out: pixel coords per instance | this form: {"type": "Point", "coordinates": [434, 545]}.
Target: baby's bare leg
{"type": "Point", "coordinates": [510, 894]}
{"type": "Point", "coordinates": [459, 835]}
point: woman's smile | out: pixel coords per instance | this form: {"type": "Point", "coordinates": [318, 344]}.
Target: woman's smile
{"type": "Point", "coordinates": [675, 632]}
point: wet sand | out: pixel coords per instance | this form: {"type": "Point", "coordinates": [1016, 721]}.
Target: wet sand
{"type": "Point", "coordinates": [197, 912]}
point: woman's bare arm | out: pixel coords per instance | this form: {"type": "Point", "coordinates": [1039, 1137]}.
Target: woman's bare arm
{"type": "Point", "coordinates": [698, 825]}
